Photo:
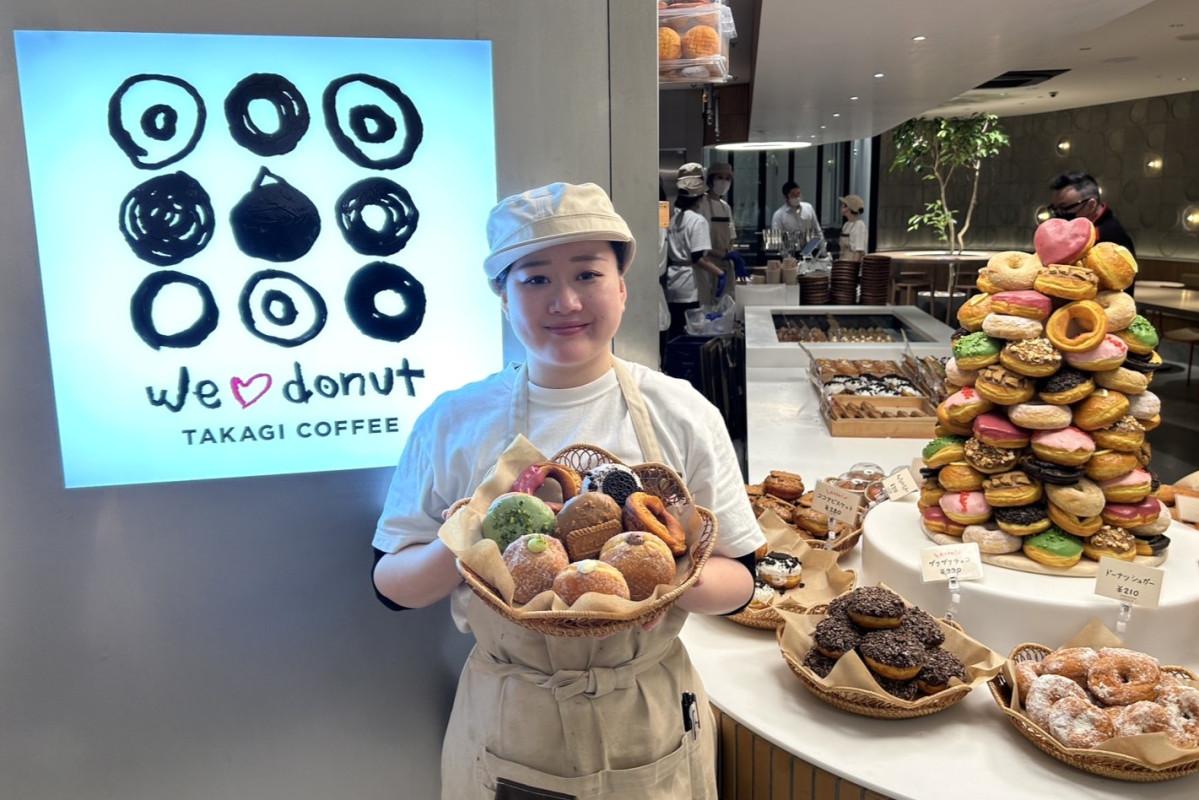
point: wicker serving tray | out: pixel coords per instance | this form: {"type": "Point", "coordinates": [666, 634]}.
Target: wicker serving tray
{"type": "Point", "coordinates": [1097, 762]}
{"type": "Point", "coordinates": [866, 703]}
{"type": "Point", "coordinates": [656, 479]}
{"type": "Point", "coordinates": [768, 619]}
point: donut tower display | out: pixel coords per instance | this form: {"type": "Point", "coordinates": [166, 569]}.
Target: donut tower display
{"type": "Point", "coordinates": [1041, 448]}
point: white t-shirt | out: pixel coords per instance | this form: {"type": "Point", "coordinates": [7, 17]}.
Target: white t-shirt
{"type": "Point", "coordinates": [856, 230]}
{"type": "Point", "coordinates": [457, 439]}
{"type": "Point", "coordinates": [663, 262]}
{"type": "Point", "coordinates": [688, 233]}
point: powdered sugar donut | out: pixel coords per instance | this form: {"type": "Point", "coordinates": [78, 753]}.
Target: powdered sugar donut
{"type": "Point", "coordinates": [1045, 691]}
{"type": "Point", "coordinates": [1182, 705]}
{"type": "Point", "coordinates": [1140, 717]}
{"type": "Point", "coordinates": [1079, 723]}
{"type": "Point", "coordinates": [992, 540]}
{"type": "Point", "coordinates": [1120, 677]}
{"type": "Point", "coordinates": [1070, 662]}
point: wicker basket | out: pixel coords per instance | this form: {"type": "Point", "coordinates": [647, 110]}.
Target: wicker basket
{"type": "Point", "coordinates": [656, 479]}
{"type": "Point", "coordinates": [768, 619]}
{"type": "Point", "coordinates": [1097, 762]}
{"type": "Point", "coordinates": [842, 544]}
{"type": "Point", "coordinates": [866, 703]}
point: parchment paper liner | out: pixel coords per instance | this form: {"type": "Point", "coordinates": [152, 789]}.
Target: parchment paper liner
{"type": "Point", "coordinates": [850, 672]}
{"type": "Point", "coordinates": [821, 581]}
{"type": "Point", "coordinates": [1153, 750]}
{"type": "Point", "coordinates": [462, 533]}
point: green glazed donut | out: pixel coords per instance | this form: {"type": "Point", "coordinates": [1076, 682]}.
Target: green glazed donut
{"type": "Point", "coordinates": [976, 346]}
{"type": "Point", "coordinates": [1140, 334]}
{"type": "Point", "coordinates": [1054, 548]}
{"type": "Point", "coordinates": [514, 514]}
{"type": "Point", "coordinates": [942, 442]}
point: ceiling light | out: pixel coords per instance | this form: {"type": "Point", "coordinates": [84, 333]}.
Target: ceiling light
{"type": "Point", "coordinates": [1153, 165]}
{"type": "Point", "coordinates": [822, 127]}
{"type": "Point", "coordinates": [919, 38]}
{"type": "Point", "coordinates": [880, 75]}
{"type": "Point", "coordinates": [836, 115]}
{"type": "Point", "coordinates": [764, 146]}
{"type": "Point", "coordinates": [855, 97]}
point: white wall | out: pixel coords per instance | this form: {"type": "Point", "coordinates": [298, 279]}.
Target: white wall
{"type": "Point", "coordinates": [220, 639]}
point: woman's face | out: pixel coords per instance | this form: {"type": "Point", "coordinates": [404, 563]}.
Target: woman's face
{"type": "Point", "coordinates": [845, 212]}
{"type": "Point", "coordinates": [565, 304]}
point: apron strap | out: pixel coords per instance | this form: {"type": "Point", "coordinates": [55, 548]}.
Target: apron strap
{"type": "Point", "coordinates": [570, 683]}
{"type": "Point", "coordinates": [643, 427]}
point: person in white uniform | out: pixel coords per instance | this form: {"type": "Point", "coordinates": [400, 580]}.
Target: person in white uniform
{"type": "Point", "coordinates": [797, 218]}
{"type": "Point", "coordinates": [581, 717]}
{"type": "Point", "coordinates": [854, 235]}
{"type": "Point", "coordinates": [689, 245]}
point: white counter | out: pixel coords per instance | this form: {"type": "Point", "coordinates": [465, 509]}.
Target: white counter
{"type": "Point", "coordinates": [763, 348]}
{"type": "Point", "coordinates": [968, 751]}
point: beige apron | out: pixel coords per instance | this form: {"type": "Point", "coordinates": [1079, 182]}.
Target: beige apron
{"type": "Point", "coordinates": [586, 718]}
{"type": "Point", "coordinates": [718, 215]}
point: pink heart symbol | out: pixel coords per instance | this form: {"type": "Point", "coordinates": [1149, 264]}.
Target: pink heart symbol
{"type": "Point", "coordinates": [246, 400]}
{"type": "Point", "coordinates": [1061, 241]}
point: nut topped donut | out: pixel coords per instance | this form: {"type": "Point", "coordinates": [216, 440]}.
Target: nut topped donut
{"type": "Point", "coordinates": [1035, 358]}
{"type": "Point", "coordinates": [1067, 282]}
{"type": "Point", "coordinates": [1002, 386]}
{"type": "Point", "coordinates": [786, 485]}
{"type": "Point", "coordinates": [989, 459]}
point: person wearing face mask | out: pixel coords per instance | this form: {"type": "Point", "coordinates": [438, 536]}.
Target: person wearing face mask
{"type": "Point", "coordinates": [689, 246]}
{"type": "Point", "coordinates": [722, 232]}
{"type": "Point", "coordinates": [853, 233]}
{"type": "Point", "coordinates": [797, 217]}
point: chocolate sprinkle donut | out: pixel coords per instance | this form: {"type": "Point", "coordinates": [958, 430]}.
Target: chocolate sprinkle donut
{"type": "Point", "coordinates": [940, 667]}
{"type": "Point", "coordinates": [839, 607]}
{"type": "Point", "coordinates": [1021, 515]}
{"type": "Point", "coordinates": [929, 472]}
{"type": "Point", "coordinates": [893, 649]}
{"type": "Point", "coordinates": [1048, 472]}
{"type": "Point", "coordinates": [1063, 380]}
{"type": "Point", "coordinates": [819, 663]}
{"type": "Point", "coordinates": [919, 623]}
{"type": "Point", "coordinates": [904, 690]}
{"type": "Point", "coordinates": [875, 601]}
{"type": "Point", "coordinates": [836, 635]}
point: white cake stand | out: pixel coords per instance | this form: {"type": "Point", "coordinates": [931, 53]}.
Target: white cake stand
{"type": "Point", "coordinates": [1008, 607]}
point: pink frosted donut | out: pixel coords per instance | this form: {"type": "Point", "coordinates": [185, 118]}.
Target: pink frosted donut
{"type": "Point", "coordinates": [1025, 303]}
{"type": "Point", "coordinates": [958, 376]}
{"type": "Point", "coordinates": [1182, 707]}
{"type": "Point", "coordinates": [1077, 722]}
{"type": "Point", "coordinates": [1108, 354]}
{"type": "Point", "coordinates": [1159, 525]}
{"type": "Point", "coordinates": [1132, 515]}
{"type": "Point", "coordinates": [1140, 717]}
{"type": "Point", "coordinates": [1047, 690]}
{"type": "Point", "coordinates": [997, 430]}
{"type": "Point", "coordinates": [965, 508]}
{"type": "Point", "coordinates": [1132, 487]}
{"type": "Point", "coordinates": [934, 519]}
{"type": "Point", "coordinates": [1070, 440]}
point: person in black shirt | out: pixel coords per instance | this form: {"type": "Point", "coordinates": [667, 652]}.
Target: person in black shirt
{"type": "Point", "coordinates": [1076, 194]}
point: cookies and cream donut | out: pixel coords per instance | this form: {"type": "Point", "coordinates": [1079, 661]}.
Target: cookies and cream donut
{"type": "Point", "coordinates": [615, 480]}
{"type": "Point", "coordinates": [992, 540]}
{"type": "Point", "coordinates": [1066, 386]}
{"type": "Point", "coordinates": [833, 637]}
{"type": "Point", "coordinates": [780, 570]}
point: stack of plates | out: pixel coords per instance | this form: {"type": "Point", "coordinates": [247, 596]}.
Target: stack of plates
{"type": "Point", "coordinates": [876, 280]}
{"type": "Point", "coordinates": [844, 283]}
{"type": "Point", "coordinates": [813, 289]}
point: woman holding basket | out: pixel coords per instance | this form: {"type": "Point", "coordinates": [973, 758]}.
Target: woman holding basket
{"type": "Point", "coordinates": [620, 716]}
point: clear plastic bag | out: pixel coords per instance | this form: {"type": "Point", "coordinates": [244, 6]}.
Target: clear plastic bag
{"type": "Point", "coordinates": [713, 320]}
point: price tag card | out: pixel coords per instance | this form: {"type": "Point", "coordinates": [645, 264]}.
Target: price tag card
{"type": "Point", "coordinates": [942, 562]}
{"type": "Point", "coordinates": [1129, 583]}
{"type": "Point", "coordinates": [900, 484]}
{"type": "Point", "coordinates": [839, 504]}
{"type": "Point", "coordinates": [1188, 507]}
{"type": "Point", "coordinates": [663, 214]}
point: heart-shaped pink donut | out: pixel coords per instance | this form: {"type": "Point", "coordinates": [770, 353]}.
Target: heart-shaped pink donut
{"type": "Point", "coordinates": [1063, 241]}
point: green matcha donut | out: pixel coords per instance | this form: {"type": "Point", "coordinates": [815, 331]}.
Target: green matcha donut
{"type": "Point", "coordinates": [1140, 336]}
{"type": "Point", "coordinates": [976, 351]}
{"type": "Point", "coordinates": [1054, 548]}
{"type": "Point", "coordinates": [943, 450]}
{"type": "Point", "coordinates": [512, 515]}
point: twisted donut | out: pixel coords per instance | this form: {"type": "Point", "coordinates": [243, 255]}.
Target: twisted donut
{"type": "Point", "coordinates": [646, 512]}
{"type": "Point", "coordinates": [533, 477]}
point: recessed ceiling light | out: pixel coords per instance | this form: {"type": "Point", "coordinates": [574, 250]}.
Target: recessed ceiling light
{"type": "Point", "coordinates": [880, 75]}
{"type": "Point", "coordinates": [764, 146]}
{"type": "Point", "coordinates": [1084, 48]}
{"type": "Point", "coordinates": [836, 115]}
{"type": "Point", "coordinates": [822, 127]}
{"type": "Point", "coordinates": [853, 97]}
{"type": "Point", "coordinates": [919, 38]}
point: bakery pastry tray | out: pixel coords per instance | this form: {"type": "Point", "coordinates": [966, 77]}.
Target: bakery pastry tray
{"type": "Point", "coordinates": [878, 417]}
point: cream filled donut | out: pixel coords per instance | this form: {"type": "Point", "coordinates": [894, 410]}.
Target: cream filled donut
{"type": "Point", "coordinates": [1009, 326]}
{"type": "Point", "coordinates": [1145, 405]}
{"type": "Point", "coordinates": [997, 431]}
{"type": "Point", "coordinates": [1040, 416]}
{"type": "Point", "coordinates": [1069, 446]}
{"type": "Point", "coordinates": [958, 376]}
{"type": "Point", "coordinates": [965, 508]}
{"type": "Point", "coordinates": [1083, 498]}
{"type": "Point", "coordinates": [1012, 270]}
{"type": "Point", "coordinates": [1119, 309]}
{"type": "Point", "coordinates": [1107, 355]}
{"type": "Point", "coordinates": [964, 405]}
{"type": "Point", "coordinates": [1131, 515]}
{"type": "Point", "coordinates": [991, 540]}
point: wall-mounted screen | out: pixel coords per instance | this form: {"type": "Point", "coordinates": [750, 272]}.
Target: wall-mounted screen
{"type": "Point", "coordinates": [258, 254]}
